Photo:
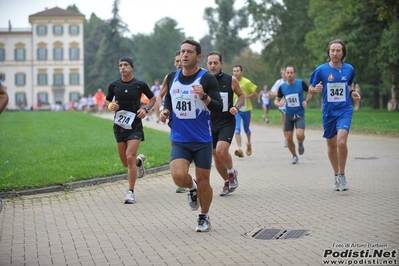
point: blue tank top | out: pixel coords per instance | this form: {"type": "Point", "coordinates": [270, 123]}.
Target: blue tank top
{"type": "Point", "coordinates": [293, 95]}
{"type": "Point", "coordinates": [191, 119]}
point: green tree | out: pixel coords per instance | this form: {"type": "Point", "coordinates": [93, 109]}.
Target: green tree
{"type": "Point", "coordinates": [112, 46]}
{"type": "Point", "coordinates": [358, 26]}
{"type": "Point", "coordinates": [388, 52]}
{"type": "Point", "coordinates": [156, 51]}
{"type": "Point", "coordinates": [281, 27]}
{"type": "Point", "coordinates": [225, 24]}
{"type": "Point", "coordinates": [94, 30]}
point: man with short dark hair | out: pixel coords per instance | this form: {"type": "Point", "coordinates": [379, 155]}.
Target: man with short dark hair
{"type": "Point", "coordinates": [223, 124]}
{"type": "Point", "coordinates": [292, 93]}
{"type": "Point", "coordinates": [128, 126]}
{"type": "Point", "coordinates": [244, 113]}
{"type": "Point", "coordinates": [191, 97]}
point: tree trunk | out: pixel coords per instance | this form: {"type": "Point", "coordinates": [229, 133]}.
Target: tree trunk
{"type": "Point", "coordinates": [376, 99]}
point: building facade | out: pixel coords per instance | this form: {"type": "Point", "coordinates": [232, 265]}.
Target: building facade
{"type": "Point", "coordinates": [43, 66]}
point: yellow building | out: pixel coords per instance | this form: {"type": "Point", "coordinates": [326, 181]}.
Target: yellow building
{"type": "Point", "coordinates": [43, 66]}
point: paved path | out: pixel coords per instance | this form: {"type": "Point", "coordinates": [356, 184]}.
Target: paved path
{"type": "Point", "coordinates": [91, 226]}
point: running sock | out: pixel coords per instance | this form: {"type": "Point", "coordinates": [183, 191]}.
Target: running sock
{"type": "Point", "coordinates": [230, 171]}
{"type": "Point", "coordinates": [194, 186]}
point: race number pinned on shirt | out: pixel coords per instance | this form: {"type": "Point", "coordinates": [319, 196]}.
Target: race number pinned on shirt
{"type": "Point", "coordinates": [184, 105]}
{"type": "Point", "coordinates": [124, 119]}
{"type": "Point", "coordinates": [292, 100]}
{"type": "Point", "coordinates": [336, 92]}
{"type": "Point", "coordinates": [225, 99]}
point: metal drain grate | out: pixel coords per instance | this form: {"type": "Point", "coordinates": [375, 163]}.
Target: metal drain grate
{"type": "Point", "coordinates": [270, 234]}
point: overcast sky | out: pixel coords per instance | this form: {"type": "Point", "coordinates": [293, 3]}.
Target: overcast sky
{"type": "Point", "coordinates": [140, 15]}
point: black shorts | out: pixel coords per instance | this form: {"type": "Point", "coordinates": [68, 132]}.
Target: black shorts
{"type": "Point", "coordinates": [223, 131]}
{"type": "Point", "coordinates": [290, 120]}
{"type": "Point", "coordinates": [123, 135]}
{"type": "Point", "coordinates": [199, 152]}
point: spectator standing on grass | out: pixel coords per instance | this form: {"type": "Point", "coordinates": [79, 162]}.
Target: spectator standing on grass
{"type": "Point", "coordinates": [128, 126]}
{"type": "Point", "coordinates": [223, 124]}
{"type": "Point", "coordinates": [334, 80]}
{"type": "Point", "coordinates": [192, 95]}
{"type": "Point", "coordinates": [244, 113]}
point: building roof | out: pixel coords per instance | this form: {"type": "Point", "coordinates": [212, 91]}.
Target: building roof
{"type": "Point", "coordinates": [56, 12]}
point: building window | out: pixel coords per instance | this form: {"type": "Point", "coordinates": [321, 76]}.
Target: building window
{"type": "Point", "coordinates": [41, 30]}
{"type": "Point", "coordinates": [20, 79]}
{"type": "Point", "coordinates": [42, 99]}
{"type": "Point", "coordinates": [58, 30]}
{"type": "Point", "coordinates": [74, 29]}
{"type": "Point", "coordinates": [19, 54]}
{"type": "Point", "coordinates": [20, 99]}
{"type": "Point", "coordinates": [74, 53]}
{"type": "Point", "coordinates": [42, 79]}
{"type": "Point", "coordinates": [41, 54]}
{"type": "Point", "coordinates": [58, 79]}
{"type": "Point", "coordinates": [2, 54]}
{"type": "Point", "coordinates": [74, 97]}
{"type": "Point", "coordinates": [58, 97]}
{"type": "Point", "coordinates": [58, 54]}
{"type": "Point", "coordinates": [2, 77]}
{"type": "Point", "coordinates": [74, 79]}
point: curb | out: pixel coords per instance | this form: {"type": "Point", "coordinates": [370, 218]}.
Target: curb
{"type": "Point", "coordinates": [77, 184]}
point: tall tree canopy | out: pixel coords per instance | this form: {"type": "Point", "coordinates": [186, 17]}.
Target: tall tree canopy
{"type": "Point", "coordinates": [225, 23]}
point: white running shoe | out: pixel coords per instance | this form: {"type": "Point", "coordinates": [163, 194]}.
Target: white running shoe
{"type": "Point", "coordinates": [204, 223]}
{"type": "Point", "coordinates": [336, 183]}
{"type": "Point", "coordinates": [343, 185]}
{"type": "Point", "coordinates": [130, 198]}
{"type": "Point", "coordinates": [233, 181]}
{"type": "Point", "coordinates": [294, 159]}
{"type": "Point", "coordinates": [192, 198]}
{"type": "Point", "coordinates": [140, 168]}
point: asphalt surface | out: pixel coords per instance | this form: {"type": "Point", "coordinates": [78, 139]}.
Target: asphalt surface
{"type": "Point", "coordinates": [90, 225]}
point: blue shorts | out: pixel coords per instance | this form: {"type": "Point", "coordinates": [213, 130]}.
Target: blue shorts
{"type": "Point", "coordinates": [199, 152]}
{"type": "Point", "coordinates": [331, 124]}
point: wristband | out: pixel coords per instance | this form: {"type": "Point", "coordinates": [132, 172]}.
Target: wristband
{"type": "Point", "coordinates": [161, 108]}
{"type": "Point", "coordinates": [351, 92]}
{"type": "Point", "coordinates": [110, 106]}
{"type": "Point", "coordinates": [146, 109]}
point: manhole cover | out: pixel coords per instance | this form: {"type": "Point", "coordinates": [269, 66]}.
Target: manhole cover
{"type": "Point", "coordinates": [270, 234]}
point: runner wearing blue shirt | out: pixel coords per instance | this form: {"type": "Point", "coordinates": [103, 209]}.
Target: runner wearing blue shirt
{"type": "Point", "coordinates": [192, 95]}
{"type": "Point", "coordinates": [334, 80]}
{"type": "Point", "coordinates": [295, 104]}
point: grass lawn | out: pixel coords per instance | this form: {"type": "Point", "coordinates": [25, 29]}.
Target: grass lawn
{"type": "Point", "coordinates": [40, 149]}
{"type": "Point", "coordinates": [52, 148]}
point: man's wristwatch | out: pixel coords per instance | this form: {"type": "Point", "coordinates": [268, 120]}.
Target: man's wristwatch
{"type": "Point", "coordinates": [146, 109]}
{"type": "Point", "coordinates": [238, 107]}
{"type": "Point", "coordinates": [204, 97]}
